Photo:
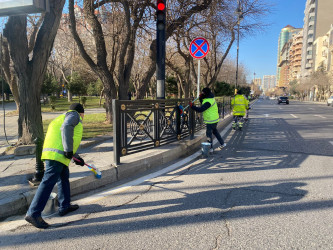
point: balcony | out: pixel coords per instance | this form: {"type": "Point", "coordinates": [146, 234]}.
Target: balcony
{"type": "Point", "coordinates": [312, 14]}
{"type": "Point", "coordinates": [310, 32]}
{"type": "Point", "coordinates": [309, 57]}
{"type": "Point", "coordinates": [325, 43]}
{"type": "Point", "coordinates": [312, 7]}
{"type": "Point", "coordinates": [324, 54]}
{"type": "Point", "coordinates": [308, 65]}
{"type": "Point", "coordinates": [311, 23]}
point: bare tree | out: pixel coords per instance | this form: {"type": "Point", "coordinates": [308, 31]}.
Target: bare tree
{"type": "Point", "coordinates": [183, 10]}
{"type": "Point", "coordinates": [118, 71]}
{"type": "Point", "coordinates": [30, 68]}
{"type": "Point", "coordinates": [9, 73]}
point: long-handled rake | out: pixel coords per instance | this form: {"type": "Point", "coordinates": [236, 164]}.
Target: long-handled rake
{"type": "Point", "coordinates": [97, 173]}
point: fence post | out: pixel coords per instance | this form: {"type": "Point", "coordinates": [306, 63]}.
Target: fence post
{"type": "Point", "coordinates": [223, 110]}
{"type": "Point", "coordinates": [178, 131]}
{"type": "Point", "coordinates": [191, 122]}
{"type": "Point", "coordinates": [157, 125]}
{"type": "Point", "coordinates": [116, 131]}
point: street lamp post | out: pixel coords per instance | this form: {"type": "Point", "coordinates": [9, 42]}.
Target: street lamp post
{"type": "Point", "coordinates": [239, 18]}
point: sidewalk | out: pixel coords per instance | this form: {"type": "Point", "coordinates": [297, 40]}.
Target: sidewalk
{"type": "Point", "coordinates": [16, 194]}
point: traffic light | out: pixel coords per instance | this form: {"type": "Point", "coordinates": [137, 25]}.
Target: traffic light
{"type": "Point", "coordinates": [160, 49]}
{"type": "Point", "coordinates": [160, 15]}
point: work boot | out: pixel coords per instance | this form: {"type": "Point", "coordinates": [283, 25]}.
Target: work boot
{"type": "Point", "coordinates": [223, 146]}
{"type": "Point", "coordinates": [37, 222]}
{"type": "Point", "coordinates": [71, 208]}
{"type": "Point", "coordinates": [234, 125]}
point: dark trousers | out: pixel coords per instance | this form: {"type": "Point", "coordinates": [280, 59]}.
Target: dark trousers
{"type": "Point", "coordinates": [55, 172]}
{"type": "Point", "coordinates": [210, 130]}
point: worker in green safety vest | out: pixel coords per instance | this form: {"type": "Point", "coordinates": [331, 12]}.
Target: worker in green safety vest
{"type": "Point", "coordinates": [61, 142]}
{"type": "Point", "coordinates": [239, 107]}
{"type": "Point", "coordinates": [210, 116]}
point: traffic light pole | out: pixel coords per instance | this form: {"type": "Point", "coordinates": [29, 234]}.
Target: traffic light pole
{"type": "Point", "coordinates": [160, 50]}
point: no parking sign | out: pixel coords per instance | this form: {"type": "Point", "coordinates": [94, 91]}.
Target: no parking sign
{"type": "Point", "coordinates": [199, 48]}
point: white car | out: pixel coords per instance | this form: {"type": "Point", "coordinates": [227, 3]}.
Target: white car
{"type": "Point", "coordinates": [330, 101]}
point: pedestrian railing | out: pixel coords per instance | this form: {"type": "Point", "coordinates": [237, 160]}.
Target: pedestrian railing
{"type": "Point", "coordinates": [145, 124]}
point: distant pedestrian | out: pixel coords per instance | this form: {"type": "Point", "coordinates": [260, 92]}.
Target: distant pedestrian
{"type": "Point", "coordinates": [62, 140]}
{"type": "Point", "coordinates": [210, 115]}
{"type": "Point", "coordinates": [239, 107]}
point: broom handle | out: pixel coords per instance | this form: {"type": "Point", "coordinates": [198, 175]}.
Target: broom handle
{"type": "Point", "coordinates": [192, 101]}
{"type": "Point", "coordinates": [85, 164]}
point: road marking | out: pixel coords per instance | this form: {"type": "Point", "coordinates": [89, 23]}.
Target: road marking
{"type": "Point", "coordinates": [266, 115]}
{"type": "Point", "coordinates": [280, 108]}
{"type": "Point", "coordinates": [311, 108]}
{"type": "Point", "coordinates": [320, 116]}
{"type": "Point", "coordinates": [294, 116]}
{"type": "Point", "coordinates": [331, 142]}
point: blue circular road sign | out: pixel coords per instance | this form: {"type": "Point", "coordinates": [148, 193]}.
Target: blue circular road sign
{"type": "Point", "coordinates": [199, 48]}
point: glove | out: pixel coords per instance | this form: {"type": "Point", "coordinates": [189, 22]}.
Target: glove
{"type": "Point", "coordinates": [191, 104]}
{"type": "Point", "coordinates": [79, 161]}
{"type": "Point", "coordinates": [68, 155]}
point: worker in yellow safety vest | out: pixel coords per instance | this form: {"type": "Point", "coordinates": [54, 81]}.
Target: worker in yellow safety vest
{"type": "Point", "coordinates": [210, 116]}
{"type": "Point", "coordinates": [61, 142]}
{"type": "Point", "coordinates": [239, 107]}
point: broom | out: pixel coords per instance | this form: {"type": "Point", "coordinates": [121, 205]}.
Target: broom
{"type": "Point", "coordinates": [181, 109]}
{"type": "Point", "coordinates": [97, 173]}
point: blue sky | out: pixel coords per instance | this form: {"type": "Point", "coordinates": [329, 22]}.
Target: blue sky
{"type": "Point", "coordinates": [259, 52]}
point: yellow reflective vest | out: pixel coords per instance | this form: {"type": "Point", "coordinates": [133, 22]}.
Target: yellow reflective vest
{"type": "Point", "coordinates": [239, 104]}
{"type": "Point", "coordinates": [211, 115]}
{"type": "Point", "coordinates": [53, 148]}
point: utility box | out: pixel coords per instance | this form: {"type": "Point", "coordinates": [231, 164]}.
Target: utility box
{"type": "Point", "coordinates": [23, 7]}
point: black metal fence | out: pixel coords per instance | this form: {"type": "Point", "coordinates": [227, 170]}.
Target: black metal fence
{"type": "Point", "coordinates": [145, 124]}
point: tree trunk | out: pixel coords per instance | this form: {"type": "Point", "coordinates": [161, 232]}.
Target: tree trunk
{"type": "Point", "coordinates": [30, 121]}
{"type": "Point", "coordinates": [69, 96]}
{"type": "Point", "coordinates": [30, 71]}
{"type": "Point", "coordinates": [9, 73]}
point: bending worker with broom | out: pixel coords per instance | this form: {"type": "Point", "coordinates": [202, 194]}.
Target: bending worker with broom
{"type": "Point", "coordinates": [210, 115]}
{"type": "Point", "coordinates": [62, 140]}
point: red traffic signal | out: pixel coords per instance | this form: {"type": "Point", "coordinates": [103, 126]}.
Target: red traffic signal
{"type": "Point", "coordinates": [160, 5]}
{"type": "Point", "coordinates": [160, 15]}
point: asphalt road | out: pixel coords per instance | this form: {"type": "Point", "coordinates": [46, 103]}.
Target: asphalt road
{"type": "Point", "coordinates": [271, 188]}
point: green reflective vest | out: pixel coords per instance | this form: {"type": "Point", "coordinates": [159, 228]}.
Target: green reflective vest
{"type": "Point", "coordinates": [53, 148]}
{"type": "Point", "coordinates": [211, 115]}
{"type": "Point", "coordinates": [239, 104]}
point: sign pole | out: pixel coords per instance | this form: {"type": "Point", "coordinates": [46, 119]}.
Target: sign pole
{"type": "Point", "coordinates": [199, 48]}
{"type": "Point", "coordinates": [198, 86]}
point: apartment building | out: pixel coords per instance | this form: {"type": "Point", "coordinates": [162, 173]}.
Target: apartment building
{"type": "Point", "coordinates": [330, 51]}
{"type": "Point", "coordinates": [318, 17]}
{"type": "Point", "coordinates": [321, 53]}
{"type": "Point", "coordinates": [269, 82]}
{"type": "Point", "coordinates": [258, 82]}
{"type": "Point", "coordinates": [284, 65]}
{"type": "Point", "coordinates": [285, 35]}
{"type": "Point", "coordinates": [295, 56]}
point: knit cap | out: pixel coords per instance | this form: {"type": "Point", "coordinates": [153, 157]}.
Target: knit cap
{"type": "Point", "coordinates": [77, 107]}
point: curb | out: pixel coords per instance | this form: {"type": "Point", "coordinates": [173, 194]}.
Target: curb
{"type": "Point", "coordinates": [19, 205]}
